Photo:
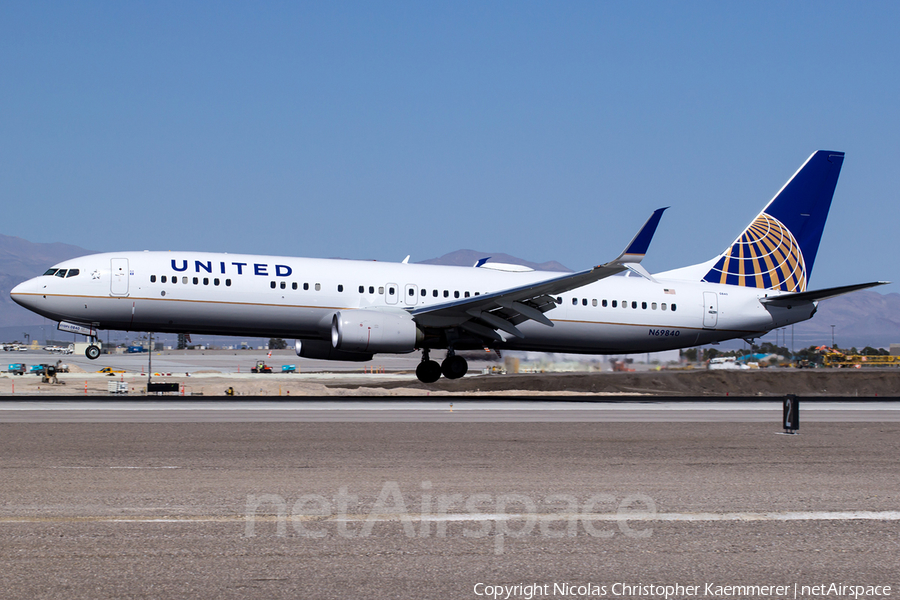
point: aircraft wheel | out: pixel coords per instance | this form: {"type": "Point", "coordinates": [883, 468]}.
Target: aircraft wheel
{"type": "Point", "coordinates": [428, 371]}
{"type": "Point", "coordinates": [92, 352]}
{"type": "Point", "coordinates": [454, 367]}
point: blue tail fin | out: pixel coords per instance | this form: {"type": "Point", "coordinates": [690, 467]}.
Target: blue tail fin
{"type": "Point", "coordinates": [778, 249]}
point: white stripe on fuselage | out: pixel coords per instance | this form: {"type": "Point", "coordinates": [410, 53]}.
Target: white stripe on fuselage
{"type": "Point", "coordinates": [233, 294]}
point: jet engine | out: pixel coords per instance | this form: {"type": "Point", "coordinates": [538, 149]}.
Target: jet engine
{"type": "Point", "coordinates": [374, 331]}
{"type": "Point", "coordinates": [322, 350]}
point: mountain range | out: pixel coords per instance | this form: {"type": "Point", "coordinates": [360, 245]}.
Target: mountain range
{"type": "Point", "coordinates": [865, 318]}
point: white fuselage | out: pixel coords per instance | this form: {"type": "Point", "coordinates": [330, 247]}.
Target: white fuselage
{"type": "Point", "coordinates": [273, 296]}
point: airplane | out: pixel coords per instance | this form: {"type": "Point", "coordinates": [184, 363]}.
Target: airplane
{"type": "Point", "coordinates": [350, 310]}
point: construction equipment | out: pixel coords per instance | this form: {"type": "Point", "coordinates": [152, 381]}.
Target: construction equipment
{"type": "Point", "coordinates": [261, 367]}
{"type": "Point", "coordinates": [16, 369]}
{"type": "Point", "coordinates": [832, 357]}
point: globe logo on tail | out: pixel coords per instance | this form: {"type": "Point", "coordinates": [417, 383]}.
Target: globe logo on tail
{"type": "Point", "coordinates": [765, 256]}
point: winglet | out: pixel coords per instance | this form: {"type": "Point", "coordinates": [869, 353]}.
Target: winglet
{"type": "Point", "coordinates": [638, 246]}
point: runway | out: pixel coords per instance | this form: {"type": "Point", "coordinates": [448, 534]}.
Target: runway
{"type": "Point", "coordinates": [445, 410]}
{"type": "Point", "coordinates": [398, 502]}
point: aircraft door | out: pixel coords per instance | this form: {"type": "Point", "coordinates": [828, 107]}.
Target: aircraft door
{"type": "Point", "coordinates": [118, 284]}
{"type": "Point", "coordinates": [710, 310]}
{"type": "Point", "coordinates": [411, 295]}
{"type": "Point", "coordinates": [391, 293]}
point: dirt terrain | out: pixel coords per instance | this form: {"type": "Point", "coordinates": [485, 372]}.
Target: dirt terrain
{"type": "Point", "coordinates": [764, 383]}
{"type": "Point", "coordinates": [820, 382]}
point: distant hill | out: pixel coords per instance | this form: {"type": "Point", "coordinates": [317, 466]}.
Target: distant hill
{"type": "Point", "coordinates": [864, 318]}
{"type": "Point", "coordinates": [467, 258]}
{"type": "Point", "coordinates": [21, 260]}
{"type": "Point", "coordinates": [861, 319]}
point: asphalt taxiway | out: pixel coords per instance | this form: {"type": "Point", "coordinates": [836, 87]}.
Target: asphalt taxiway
{"type": "Point", "coordinates": [376, 503]}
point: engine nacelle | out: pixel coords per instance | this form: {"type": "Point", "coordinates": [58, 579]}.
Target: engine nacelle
{"type": "Point", "coordinates": [323, 350]}
{"type": "Point", "coordinates": [374, 331]}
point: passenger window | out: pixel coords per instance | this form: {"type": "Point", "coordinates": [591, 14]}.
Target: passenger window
{"type": "Point", "coordinates": [153, 279]}
{"type": "Point", "coordinates": [318, 287]}
{"type": "Point", "coordinates": [283, 285]}
{"type": "Point", "coordinates": [272, 284]}
{"type": "Point", "coordinates": [306, 286]}
{"type": "Point", "coordinates": [466, 294]}
{"type": "Point", "coordinates": [340, 288]}
{"type": "Point", "coordinates": [633, 304]}
{"type": "Point", "coordinates": [72, 273]}
{"type": "Point", "coordinates": [477, 293]}
{"type": "Point", "coordinates": [614, 303]}
{"type": "Point", "coordinates": [174, 279]}
{"type": "Point", "coordinates": [584, 301]}
{"type": "Point", "coordinates": [216, 282]}
{"type": "Point", "coordinates": [434, 293]}
{"type": "Point", "coordinates": [574, 301]}
{"type": "Point", "coordinates": [184, 280]}
{"type": "Point", "coordinates": [390, 291]}
{"type": "Point", "coordinates": [412, 292]}
{"type": "Point", "coordinates": [162, 279]}
{"type": "Point", "coordinates": [371, 289]}
{"type": "Point", "coordinates": [663, 306]}
{"type": "Point", "coordinates": [559, 299]}
{"type": "Point", "coordinates": [446, 293]}
{"type": "Point", "coordinates": [653, 305]}
{"type": "Point", "coordinates": [206, 281]}
{"type": "Point", "coordinates": [228, 283]}
{"type": "Point", "coordinates": [603, 303]}
{"type": "Point", "coordinates": [380, 289]}
{"type": "Point", "coordinates": [624, 303]}
{"type": "Point", "coordinates": [362, 289]}
{"type": "Point", "coordinates": [644, 305]}
{"type": "Point", "coordinates": [673, 307]}
{"type": "Point", "coordinates": [196, 280]}
{"type": "Point", "coordinates": [424, 293]}
{"type": "Point", "coordinates": [594, 302]}
{"type": "Point", "coordinates": [294, 286]}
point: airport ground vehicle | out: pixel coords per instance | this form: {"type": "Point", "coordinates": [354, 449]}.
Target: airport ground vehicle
{"type": "Point", "coordinates": [261, 367]}
{"type": "Point", "coordinates": [16, 368]}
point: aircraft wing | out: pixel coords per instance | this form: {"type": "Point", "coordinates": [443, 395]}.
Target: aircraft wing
{"type": "Point", "coordinates": [815, 295]}
{"type": "Point", "coordinates": [483, 315]}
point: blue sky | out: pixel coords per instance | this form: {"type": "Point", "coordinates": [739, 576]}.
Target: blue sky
{"type": "Point", "coordinates": [549, 131]}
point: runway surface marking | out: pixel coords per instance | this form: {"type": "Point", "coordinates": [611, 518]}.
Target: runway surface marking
{"type": "Point", "coordinates": [457, 405]}
{"type": "Point", "coordinates": [855, 515]}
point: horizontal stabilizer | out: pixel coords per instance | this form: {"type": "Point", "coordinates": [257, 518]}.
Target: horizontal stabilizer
{"type": "Point", "coordinates": [815, 295]}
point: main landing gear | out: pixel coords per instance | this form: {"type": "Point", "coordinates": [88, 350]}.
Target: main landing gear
{"type": "Point", "coordinates": [93, 350]}
{"type": "Point", "coordinates": [453, 367]}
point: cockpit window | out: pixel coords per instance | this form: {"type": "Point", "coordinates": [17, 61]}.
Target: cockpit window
{"type": "Point", "coordinates": [51, 271]}
{"type": "Point", "coordinates": [61, 273]}
{"type": "Point", "coordinates": [72, 273]}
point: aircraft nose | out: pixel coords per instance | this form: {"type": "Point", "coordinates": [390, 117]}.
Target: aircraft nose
{"type": "Point", "coordinates": [22, 293]}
